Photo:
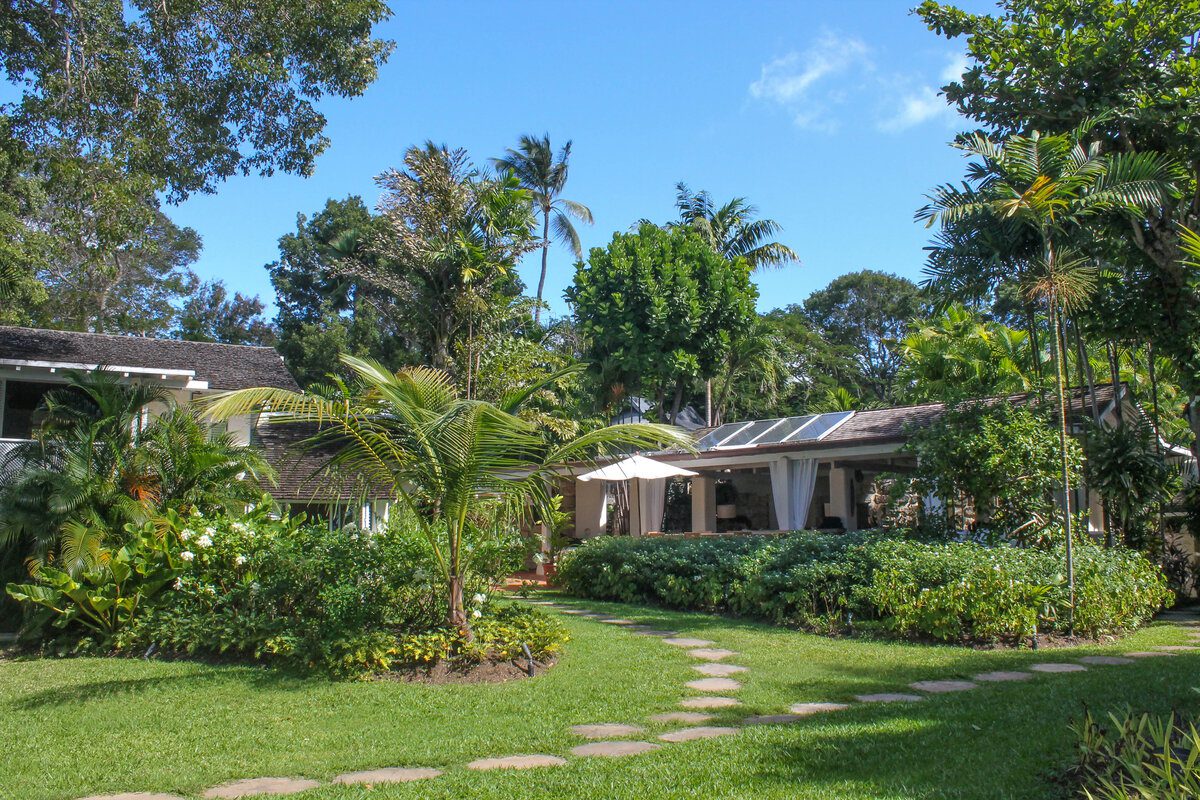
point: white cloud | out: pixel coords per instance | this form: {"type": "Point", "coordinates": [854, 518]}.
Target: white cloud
{"type": "Point", "coordinates": [955, 69]}
{"type": "Point", "coordinates": [797, 81]}
{"type": "Point", "coordinates": [925, 102]}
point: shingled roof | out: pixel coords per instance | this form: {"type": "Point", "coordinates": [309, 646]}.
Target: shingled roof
{"type": "Point", "coordinates": [302, 474]}
{"type": "Point", "coordinates": [223, 366]}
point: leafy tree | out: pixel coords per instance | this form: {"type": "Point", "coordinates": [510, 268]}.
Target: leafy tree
{"type": "Point", "coordinates": [1131, 71]}
{"type": "Point", "coordinates": [867, 313]}
{"type": "Point", "coordinates": [754, 375]}
{"type": "Point", "coordinates": [959, 355]}
{"type": "Point", "coordinates": [659, 310]}
{"type": "Point", "coordinates": [95, 465]}
{"type": "Point", "coordinates": [543, 174]}
{"type": "Point", "coordinates": [23, 250]}
{"type": "Point", "coordinates": [187, 93]}
{"type": "Point", "coordinates": [447, 248]}
{"type": "Point", "coordinates": [816, 367]}
{"type": "Point", "coordinates": [733, 229]}
{"type": "Point", "coordinates": [997, 463]}
{"type": "Point", "coordinates": [211, 315]}
{"type": "Point", "coordinates": [324, 312]}
{"type": "Point", "coordinates": [440, 454]}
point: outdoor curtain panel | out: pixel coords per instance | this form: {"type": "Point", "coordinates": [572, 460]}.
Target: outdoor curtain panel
{"type": "Point", "coordinates": [792, 485]}
{"type": "Point", "coordinates": [652, 502]}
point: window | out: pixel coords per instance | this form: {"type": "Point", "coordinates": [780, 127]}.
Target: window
{"type": "Point", "coordinates": [21, 400]}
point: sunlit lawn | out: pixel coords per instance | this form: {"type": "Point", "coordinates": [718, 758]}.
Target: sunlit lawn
{"type": "Point", "coordinates": [78, 727]}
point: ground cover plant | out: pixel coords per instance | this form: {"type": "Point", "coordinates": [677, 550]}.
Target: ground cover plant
{"type": "Point", "coordinates": [148, 725]}
{"type": "Point", "coordinates": [947, 591]}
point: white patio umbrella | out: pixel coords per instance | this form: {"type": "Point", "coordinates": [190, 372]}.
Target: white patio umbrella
{"type": "Point", "coordinates": [647, 479]}
{"type": "Point", "coordinates": [636, 467]}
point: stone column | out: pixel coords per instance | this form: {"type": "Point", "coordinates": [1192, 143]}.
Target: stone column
{"type": "Point", "coordinates": [704, 503]}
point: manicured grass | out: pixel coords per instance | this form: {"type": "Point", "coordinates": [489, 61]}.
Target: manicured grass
{"type": "Point", "coordinates": [83, 726]}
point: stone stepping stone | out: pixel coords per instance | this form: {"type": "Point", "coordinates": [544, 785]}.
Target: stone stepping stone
{"type": "Point", "coordinates": [942, 687]}
{"type": "Point", "coordinates": [808, 709]}
{"type": "Point", "coordinates": [614, 749]}
{"type": "Point", "coordinates": [718, 670]}
{"type": "Point", "coordinates": [388, 775]}
{"type": "Point", "coordinates": [691, 734]}
{"type": "Point", "coordinates": [133, 796]}
{"type": "Point", "coordinates": [888, 697]}
{"type": "Point", "coordinates": [689, 717]}
{"type": "Point", "coordinates": [773, 719]}
{"type": "Point", "coordinates": [1146, 654]}
{"type": "Point", "coordinates": [657, 633]}
{"type": "Point", "coordinates": [686, 642]}
{"type": "Point", "coordinates": [711, 653]}
{"type": "Point", "coordinates": [1057, 667]}
{"type": "Point", "coordinates": [517, 762]}
{"type": "Point", "coordinates": [253, 787]}
{"type": "Point", "coordinates": [612, 621]}
{"type": "Point", "coordinates": [1175, 648]}
{"type": "Point", "coordinates": [575, 612]}
{"type": "Point", "coordinates": [710, 702]}
{"type": "Point", "coordinates": [1001, 675]}
{"type": "Point", "coordinates": [604, 730]}
{"type": "Point", "coordinates": [714, 685]}
{"type": "Point", "coordinates": [1107, 661]}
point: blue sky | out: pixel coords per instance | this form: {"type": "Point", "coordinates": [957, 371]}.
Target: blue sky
{"type": "Point", "coordinates": [823, 114]}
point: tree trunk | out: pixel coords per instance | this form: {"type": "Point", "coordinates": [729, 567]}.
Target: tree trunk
{"type": "Point", "coordinates": [537, 311]}
{"type": "Point", "coordinates": [457, 616]}
{"type": "Point", "coordinates": [1056, 325]}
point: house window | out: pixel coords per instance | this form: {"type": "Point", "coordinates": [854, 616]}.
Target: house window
{"type": "Point", "coordinates": [21, 400]}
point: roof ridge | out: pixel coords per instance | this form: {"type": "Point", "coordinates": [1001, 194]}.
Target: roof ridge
{"type": "Point", "coordinates": [134, 337]}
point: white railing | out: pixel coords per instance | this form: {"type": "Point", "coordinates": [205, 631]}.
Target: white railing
{"type": "Point", "coordinates": [9, 468]}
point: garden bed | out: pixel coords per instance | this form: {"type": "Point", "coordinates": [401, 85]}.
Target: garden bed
{"type": "Point", "coordinates": [447, 671]}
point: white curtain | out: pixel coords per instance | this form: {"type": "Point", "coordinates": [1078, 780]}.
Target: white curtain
{"type": "Point", "coordinates": [652, 501]}
{"type": "Point", "coordinates": [792, 486]}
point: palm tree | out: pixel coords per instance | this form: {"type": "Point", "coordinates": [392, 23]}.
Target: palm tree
{"type": "Point", "coordinates": [443, 457]}
{"type": "Point", "coordinates": [100, 460]}
{"type": "Point", "coordinates": [732, 229]}
{"type": "Point", "coordinates": [543, 174]}
{"type": "Point", "coordinates": [1052, 187]}
{"type": "Point", "coordinates": [757, 358]}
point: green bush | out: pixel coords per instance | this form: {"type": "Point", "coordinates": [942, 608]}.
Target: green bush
{"type": "Point", "coordinates": [1137, 756]}
{"type": "Point", "coordinates": [502, 633]}
{"type": "Point", "coordinates": [958, 591]}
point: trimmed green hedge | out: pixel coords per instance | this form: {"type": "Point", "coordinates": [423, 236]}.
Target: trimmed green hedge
{"type": "Point", "coordinates": [958, 591]}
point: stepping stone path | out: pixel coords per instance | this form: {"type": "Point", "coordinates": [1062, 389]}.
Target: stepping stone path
{"type": "Point", "coordinates": [517, 762]}
{"type": "Point", "coordinates": [388, 775]}
{"type": "Point", "coordinates": [943, 687]}
{"type": "Point", "coordinates": [718, 670]}
{"type": "Point", "coordinates": [714, 685]}
{"type": "Point", "coordinates": [887, 697]}
{"type": "Point", "coordinates": [709, 702]}
{"type": "Point", "coordinates": [254, 787]}
{"type": "Point", "coordinates": [711, 653]}
{"type": "Point", "coordinates": [687, 717]}
{"type": "Point", "coordinates": [691, 734]}
{"type": "Point", "coordinates": [717, 681]}
{"type": "Point", "coordinates": [808, 709]}
{"type": "Point", "coordinates": [1058, 667]}
{"type": "Point", "coordinates": [1000, 676]}
{"type": "Point", "coordinates": [605, 730]}
{"type": "Point", "coordinates": [613, 749]}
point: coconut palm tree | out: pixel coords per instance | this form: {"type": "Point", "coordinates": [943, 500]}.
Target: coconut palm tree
{"type": "Point", "coordinates": [1052, 187]}
{"type": "Point", "coordinates": [443, 458]}
{"type": "Point", "coordinates": [733, 229]}
{"type": "Point", "coordinates": [543, 173]}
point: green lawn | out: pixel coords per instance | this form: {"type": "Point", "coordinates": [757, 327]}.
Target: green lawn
{"type": "Point", "coordinates": [77, 727]}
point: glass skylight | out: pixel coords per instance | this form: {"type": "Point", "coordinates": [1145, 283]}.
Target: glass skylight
{"type": "Point", "coordinates": [808, 428]}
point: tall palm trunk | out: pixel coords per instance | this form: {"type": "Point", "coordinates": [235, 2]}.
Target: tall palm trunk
{"type": "Point", "coordinates": [1056, 323]}
{"type": "Point", "coordinates": [537, 311]}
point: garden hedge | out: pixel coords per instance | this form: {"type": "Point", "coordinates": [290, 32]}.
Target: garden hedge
{"type": "Point", "coordinates": [949, 591]}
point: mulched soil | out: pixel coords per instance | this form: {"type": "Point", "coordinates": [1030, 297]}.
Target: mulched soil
{"type": "Point", "coordinates": [451, 672]}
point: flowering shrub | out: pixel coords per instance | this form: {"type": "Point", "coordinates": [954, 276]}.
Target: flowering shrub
{"type": "Point", "coordinates": [959, 591]}
{"type": "Point", "coordinates": [501, 633]}
{"type": "Point", "coordinates": [288, 592]}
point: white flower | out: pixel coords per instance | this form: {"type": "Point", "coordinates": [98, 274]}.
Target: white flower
{"type": "Point", "coordinates": [239, 560]}
{"type": "Point", "coordinates": [479, 598]}
{"type": "Point", "coordinates": [210, 531]}
{"type": "Point", "coordinates": [477, 613]}
{"type": "Point", "coordinates": [187, 555]}
{"type": "Point", "coordinates": [204, 541]}
{"type": "Point", "coordinates": [186, 534]}
{"type": "Point", "coordinates": [179, 583]}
